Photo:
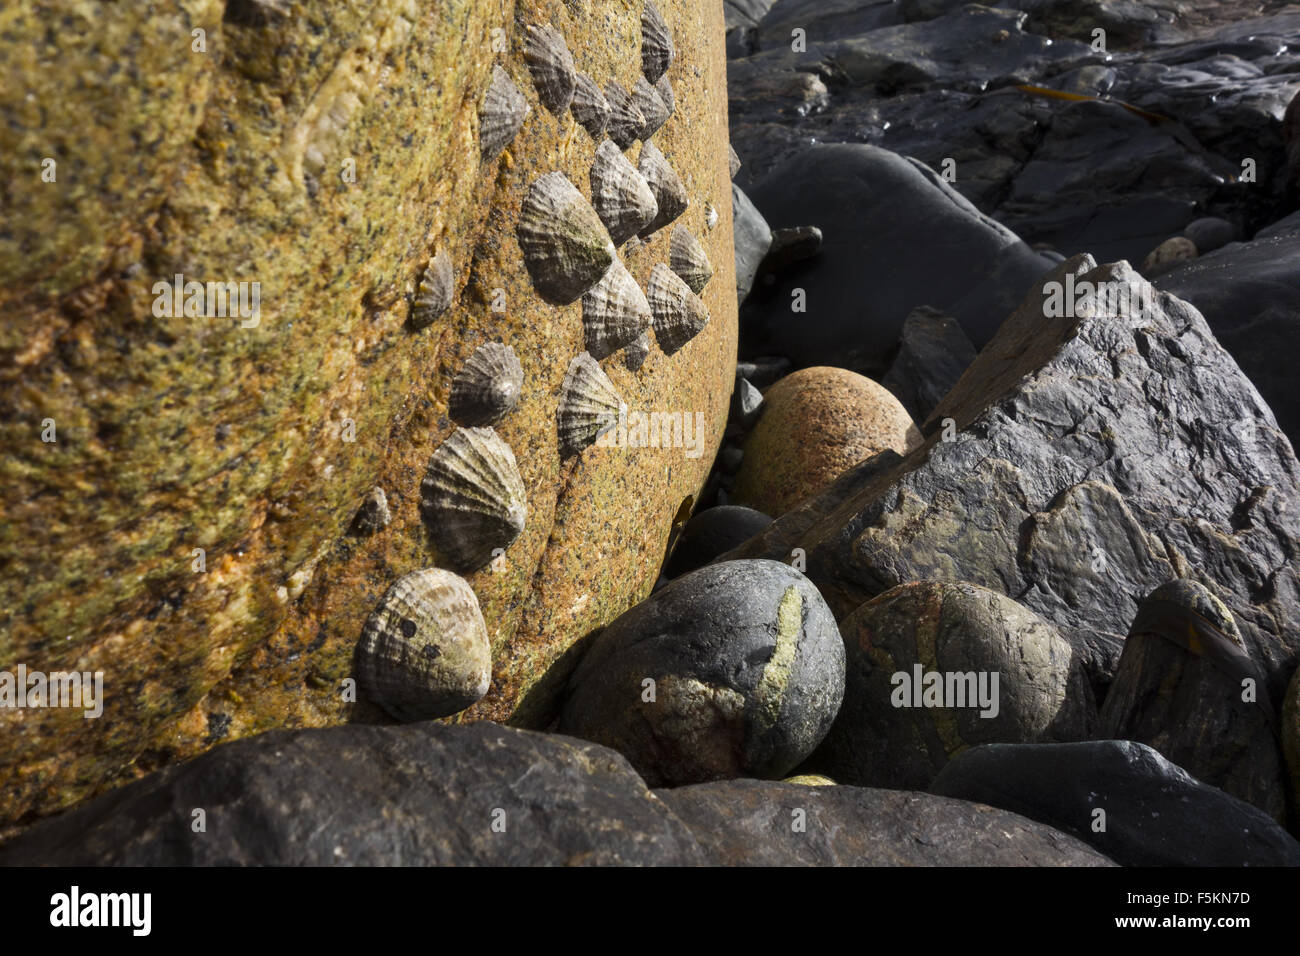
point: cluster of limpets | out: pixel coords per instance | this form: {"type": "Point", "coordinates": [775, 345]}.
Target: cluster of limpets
{"type": "Point", "coordinates": [424, 650]}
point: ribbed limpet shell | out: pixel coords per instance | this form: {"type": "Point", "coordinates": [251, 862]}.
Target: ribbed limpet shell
{"type": "Point", "coordinates": [666, 185]}
{"type": "Point", "coordinates": [688, 259]}
{"type": "Point", "coordinates": [620, 195]}
{"type": "Point", "coordinates": [373, 515]}
{"type": "Point", "coordinates": [472, 498]}
{"type": "Point", "coordinates": [436, 291]}
{"type": "Point", "coordinates": [501, 116]}
{"type": "Point", "coordinates": [679, 315]}
{"type": "Point", "coordinates": [551, 65]}
{"type": "Point", "coordinates": [589, 106]}
{"type": "Point", "coordinates": [424, 650]}
{"type": "Point", "coordinates": [651, 105]}
{"type": "Point", "coordinates": [657, 50]}
{"type": "Point", "coordinates": [634, 355]}
{"type": "Point", "coordinates": [589, 406]}
{"type": "Point", "coordinates": [487, 387]}
{"type": "Point", "coordinates": [625, 121]}
{"type": "Point", "coordinates": [565, 245]}
{"type": "Point", "coordinates": [614, 312]}
{"type": "Point", "coordinates": [665, 91]}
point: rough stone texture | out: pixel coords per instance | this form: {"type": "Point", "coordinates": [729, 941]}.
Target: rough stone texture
{"type": "Point", "coordinates": [1156, 814]}
{"type": "Point", "coordinates": [418, 795]}
{"type": "Point", "coordinates": [816, 424]}
{"type": "Point", "coordinates": [747, 668]}
{"type": "Point", "coordinates": [1291, 741]}
{"type": "Point", "coordinates": [1091, 460]}
{"type": "Point", "coordinates": [1179, 689]}
{"type": "Point", "coordinates": [933, 352]}
{"type": "Point", "coordinates": [895, 237]}
{"type": "Point", "coordinates": [752, 823]}
{"type": "Point", "coordinates": [184, 433]}
{"type": "Point", "coordinates": [1249, 292]}
{"type": "Point", "coordinates": [882, 739]}
{"type": "Point", "coordinates": [753, 238]}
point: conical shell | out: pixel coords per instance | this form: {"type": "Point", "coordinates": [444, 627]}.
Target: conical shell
{"type": "Point", "coordinates": [667, 187]}
{"type": "Point", "coordinates": [679, 315]}
{"type": "Point", "coordinates": [614, 312]}
{"type": "Point", "coordinates": [502, 114]}
{"type": "Point", "coordinates": [424, 650]}
{"type": "Point", "coordinates": [373, 515]}
{"type": "Point", "coordinates": [437, 289]}
{"type": "Point", "coordinates": [565, 245]}
{"type": "Point", "coordinates": [687, 257]}
{"type": "Point", "coordinates": [472, 498]}
{"type": "Point", "coordinates": [657, 50]}
{"type": "Point", "coordinates": [651, 105]}
{"type": "Point", "coordinates": [634, 355]}
{"type": "Point", "coordinates": [665, 91]}
{"type": "Point", "coordinates": [589, 106]}
{"type": "Point", "coordinates": [625, 121]}
{"type": "Point", "coordinates": [733, 161]}
{"type": "Point", "coordinates": [551, 65]}
{"type": "Point", "coordinates": [487, 386]}
{"type": "Point", "coordinates": [589, 406]}
{"type": "Point", "coordinates": [620, 195]}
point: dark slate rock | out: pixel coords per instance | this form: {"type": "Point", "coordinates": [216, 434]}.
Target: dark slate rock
{"type": "Point", "coordinates": [895, 237]}
{"type": "Point", "coordinates": [757, 823]}
{"type": "Point", "coordinates": [747, 669]}
{"type": "Point", "coordinates": [933, 352]}
{"type": "Point", "coordinates": [713, 532]}
{"type": "Point", "coordinates": [746, 404]}
{"type": "Point", "coordinates": [921, 661]}
{"type": "Point", "coordinates": [790, 246]}
{"type": "Point", "coordinates": [824, 20]}
{"type": "Point", "coordinates": [764, 371]}
{"type": "Point", "coordinates": [744, 13]}
{"type": "Point", "coordinates": [752, 239]}
{"type": "Point", "coordinates": [1092, 458]}
{"type": "Point", "coordinates": [1186, 686]}
{"type": "Point", "coordinates": [415, 795]}
{"type": "Point", "coordinates": [1210, 233]}
{"type": "Point", "coordinates": [1291, 740]}
{"type": "Point", "coordinates": [1156, 814]}
{"type": "Point", "coordinates": [1250, 294]}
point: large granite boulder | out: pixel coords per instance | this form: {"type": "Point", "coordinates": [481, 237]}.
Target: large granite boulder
{"type": "Point", "coordinates": [1082, 461]}
{"type": "Point", "coordinates": [187, 533]}
{"type": "Point", "coordinates": [416, 795]}
{"type": "Point", "coordinates": [757, 823]}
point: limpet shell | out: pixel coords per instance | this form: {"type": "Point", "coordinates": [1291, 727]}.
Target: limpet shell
{"type": "Point", "coordinates": [733, 161]}
{"type": "Point", "coordinates": [614, 312]}
{"type": "Point", "coordinates": [688, 259]}
{"type": "Point", "coordinates": [666, 185]}
{"type": "Point", "coordinates": [487, 387]}
{"type": "Point", "coordinates": [472, 498]}
{"type": "Point", "coordinates": [634, 355]}
{"type": "Point", "coordinates": [679, 315]}
{"type": "Point", "coordinates": [651, 105]}
{"type": "Point", "coordinates": [620, 195]}
{"type": "Point", "coordinates": [665, 91]}
{"type": "Point", "coordinates": [373, 515]}
{"type": "Point", "coordinates": [589, 106]}
{"type": "Point", "coordinates": [589, 406]}
{"type": "Point", "coordinates": [424, 650]}
{"type": "Point", "coordinates": [501, 116]}
{"type": "Point", "coordinates": [436, 291]}
{"type": "Point", "coordinates": [657, 50]}
{"type": "Point", "coordinates": [565, 245]}
{"type": "Point", "coordinates": [551, 65]}
{"type": "Point", "coordinates": [625, 121]}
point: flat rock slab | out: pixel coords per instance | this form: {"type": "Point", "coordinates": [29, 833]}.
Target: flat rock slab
{"type": "Point", "coordinates": [757, 823]}
{"type": "Point", "coordinates": [1153, 812]}
{"type": "Point", "coordinates": [415, 795]}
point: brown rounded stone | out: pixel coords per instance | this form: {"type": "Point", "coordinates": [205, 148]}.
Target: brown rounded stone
{"type": "Point", "coordinates": [816, 424]}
